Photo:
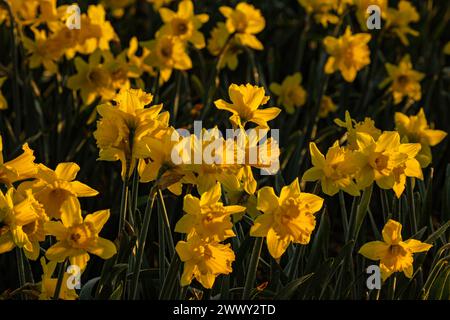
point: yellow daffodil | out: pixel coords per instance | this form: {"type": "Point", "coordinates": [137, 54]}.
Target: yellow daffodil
{"type": "Point", "coordinates": [77, 237]}
{"type": "Point", "coordinates": [159, 3]}
{"type": "Point", "coordinates": [20, 168]}
{"type": "Point", "coordinates": [184, 24]}
{"type": "Point", "coordinates": [326, 107]}
{"type": "Point", "coordinates": [43, 51]}
{"type": "Point", "coordinates": [159, 164]}
{"type": "Point", "coordinates": [290, 93]}
{"type": "Point", "coordinates": [348, 54]}
{"type": "Point", "coordinates": [117, 6]}
{"type": "Point", "coordinates": [101, 31]}
{"type": "Point", "coordinates": [386, 161]}
{"type": "Point", "coordinates": [3, 102]}
{"type": "Point", "coordinates": [35, 230]}
{"type": "Point", "coordinates": [335, 171]}
{"type": "Point", "coordinates": [167, 53]}
{"type": "Point", "coordinates": [16, 212]}
{"type": "Point", "coordinates": [246, 100]}
{"type": "Point", "coordinates": [207, 217]}
{"type": "Point", "coordinates": [415, 129]}
{"type": "Point", "coordinates": [404, 80]}
{"type": "Point", "coordinates": [244, 21]}
{"type": "Point", "coordinates": [48, 283]}
{"type": "Point", "coordinates": [92, 79]}
{"type": "Point", "coordinates": [204, 260]}
{"type": "Point", "coordinates": [53, 188]}
{"type": "Point", "coordinates": [212, 167]}
{"type": "Point", "coordinates": [395, 255]}
{"type": "Point", "coordinates": [122, 127]}
{"type": "Point", "coordinates": [220, 44]}
{"type": "Point", "coordinates": [354, 127]}
{"type": "Point", "coordinates": [323, 10]}
{"type": "Point", "coordinates": [362, 5]}
{"type": "Point", "coordinates": [285, 219]}
{"type": "Point", "coordinates": [398, 20]}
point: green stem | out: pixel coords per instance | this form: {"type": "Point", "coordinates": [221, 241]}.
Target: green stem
{"type": "Point", "coordinates": [123, 206]}
{"type": "Point", "coordinates": [251, 274]}
{"type": "Point", "coordinates": [141, 245]}
{"type": "Point", "coordinates": [20, 268]}
{"type": "Point", "coordinates": [62, 270]}
{"type": "Point", "coordinates": [170, 279]}
{"type": "Point", "coordinates": [362, 210]}
{"type": "Point", "coordinates": [412, 205]}
{"type": "Point", "coordinates": [166, 221]}
{"type": "Point", "coordinates": [343, 213]}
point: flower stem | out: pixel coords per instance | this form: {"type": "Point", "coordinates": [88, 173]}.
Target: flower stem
{"type": "Point", "coordinates": [20, 268]}
{"type": "Point", "coordinates": [141, 244]}
{"type": "Point", "coordinates": [251, 274]}
{"type": "Point", "coordinates": [170, 279]}
{"type": "Point", "coordinates": [123, 206]}
{"type": "Point", "coordinates": [62, 269]}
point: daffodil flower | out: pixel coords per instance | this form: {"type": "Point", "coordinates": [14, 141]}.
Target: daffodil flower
{"type": "Point", "coordinates": [285, 219]}
{"type": "Point", "coordinates": [184, 24]}
{"type": "Point", "coordinates": [53, 188]}
{"type": "Point", "coordinates": [204, 260]}
{"type": "Point", "coordinates": [246, 99]}
{"type": "Point", "coordinates": [77, 237]}
{"type": "Point", "coordinates": [348, 54]}
{"type": "Point", "coordinates": [290, 93]}
{"type": "Point", "coordinates": [394, 254]}
{"type": "Point", "coordinates": [207, 217]}
{"type": "Point", "coordinates": [415, 129]}
{"type": "Point", "coordinates": [19, 168]}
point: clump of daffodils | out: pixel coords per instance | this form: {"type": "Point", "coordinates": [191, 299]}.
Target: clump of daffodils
{"type": "Point", "coordinates": [228, 39]}
{"type": "Point", "coordinates": [372, 156]}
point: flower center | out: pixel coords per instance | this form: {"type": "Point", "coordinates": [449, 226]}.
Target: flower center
{"type": "Point", "coordinates": [98, 77]}
{"type": "Point", "coordinates": [180, 27]}
{"type": "Point", "coordinates": [81, 235]}
{"type": "Point", "coordinates": [403, 80]}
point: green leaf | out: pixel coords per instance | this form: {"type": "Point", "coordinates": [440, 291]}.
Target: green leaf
{"type": "Point", "coordinates": [320, 242]}
{"type": "Point", "coordinates": [362, 210]}
{"type": "Point", "coordinates": [439, 232]}
{"type": "Point", "coordinates": [87, 291]}
{"type": "Point", "coordinates": [291, 287]}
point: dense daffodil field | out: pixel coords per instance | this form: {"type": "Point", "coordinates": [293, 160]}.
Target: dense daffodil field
{"type": "Point", "coordinates": [180, 149]}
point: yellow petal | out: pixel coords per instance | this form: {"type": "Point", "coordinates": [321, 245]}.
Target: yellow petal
{"type": "Point", "coordinates": [267, 200]}
{"type": "Point", "coordinates": [417, 246]}
{"type": "Point", "coordinates": [80, 259]}
{"type": "Point", "coordinates": [71, 212]}
{"type": "Point", "coordinates": [6, 243]}
{"type": "Point", "coordinates": [67, 171]}
{"type": "Point", "coordinates": [98, 219]}
{"type": "Point", "coordinates": [59, 251]}
{"type": "Point", "coordinates": [104, 248]}
{"type": "Point", "coordinates": [82, 190]}
{"type": "Point", "coordinates": [262, 225]}
{"type": "Point", "coordinates": [374, 250]}
{"type": "Point", "coordinates": [55, 228]}
{"type": "Point", "coordinates": [392, 232]}
{"type": "Point", "coordinates": [211, 196]}
{"type": "Point", "coordinates": [292, 190]}
{"type": "Point", "coordinates": [312, 174]}
{"type": "Point", "coordinates": [191, 205]}
{"type": "Point", "coordinates": [317, 158]}
{"type": "Point", "coordinates": [276, 245]}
